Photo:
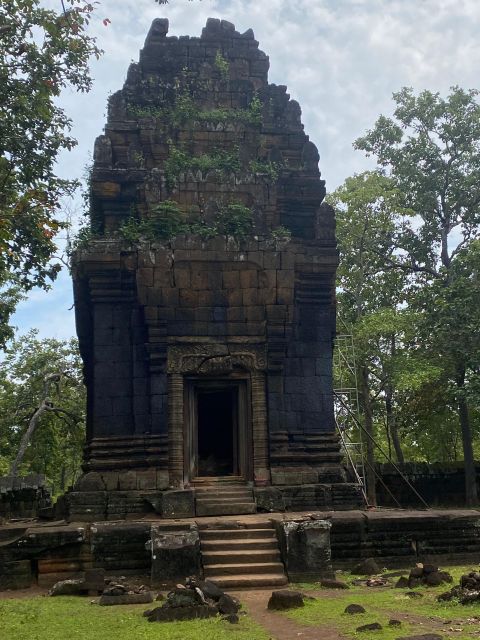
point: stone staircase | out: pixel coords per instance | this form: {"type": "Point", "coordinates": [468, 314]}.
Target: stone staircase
{"type": "Point", "coordinates": [245, 555]}
{"type": "Point", "coordinates": [223, 496]}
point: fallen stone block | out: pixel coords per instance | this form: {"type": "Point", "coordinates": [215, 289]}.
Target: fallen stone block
{"type": "Point", "coordinates": [333, 584]}
{"type": "Point", "coordinates": [172, 614]}
{"type": "Point", "coordinates": [354, 609]}
{"type": "Point", "coordinates": [127, 598]}
{"type": "Point", "coordinates": [228, 605]}
{"type": "Point", "coordinates": [373, 626]}
{"type": "Point", "coordinates": [68, 588]}
{"type": "Point", "coordinates": [285, 599]}
{"type": "Point", "coordinates": [211, 590]}
{"type": "Point", "coordinates": [367, 567]}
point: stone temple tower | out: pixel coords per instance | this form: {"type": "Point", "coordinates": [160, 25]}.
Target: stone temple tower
{"type": "Point", "coordinates": [205, 295]}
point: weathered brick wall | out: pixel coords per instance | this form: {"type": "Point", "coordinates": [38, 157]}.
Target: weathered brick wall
{"type": "Point", "coordinates": [439, 484]}
{"type": "Point", "coordinates": [23, 497]}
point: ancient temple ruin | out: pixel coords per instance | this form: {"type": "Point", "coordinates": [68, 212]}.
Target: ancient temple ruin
{"type": "Point", "coordinates": [205, 295]}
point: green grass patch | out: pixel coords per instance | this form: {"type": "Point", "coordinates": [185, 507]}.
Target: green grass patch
{"type": "Point", "coordinates": [67, 618]}
{"type": "Point", "coordinates": [383, 603]}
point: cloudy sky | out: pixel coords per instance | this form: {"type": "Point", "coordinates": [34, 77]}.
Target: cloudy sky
{"type": "Point", "coordinates": [341, 59]}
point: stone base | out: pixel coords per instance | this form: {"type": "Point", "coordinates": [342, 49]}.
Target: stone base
{"type": "Point", "coordinates": [90, 506]}
{"type": "Point", "coordinates": [318, 497]}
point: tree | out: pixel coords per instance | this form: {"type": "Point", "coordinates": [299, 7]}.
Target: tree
{"type": "Point", "coordinates": [431, 151]}
{"type": "Point", "coordinates": [42, 408]}
{"type": "Point", "coordinates": [42, 52]}
{"type": "Point", "coordinates": [367, 212]}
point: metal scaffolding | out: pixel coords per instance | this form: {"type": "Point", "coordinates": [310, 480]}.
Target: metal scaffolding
{"type": "Point", "coordinates": [346, 405]}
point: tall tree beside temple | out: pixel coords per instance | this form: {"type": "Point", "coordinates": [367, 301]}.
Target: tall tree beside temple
{"type": "Point", "coordinates": [431, 151]}
{"type": "Point", "coordinates": [36, 373]}
{"type": "Point", "coordinates": [367, 213]}
{"type": "Point", "coordinates": [42, 52]}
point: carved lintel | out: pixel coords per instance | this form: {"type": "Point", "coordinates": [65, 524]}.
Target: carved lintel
{"type": "Point", "coordinates": [215, 359]}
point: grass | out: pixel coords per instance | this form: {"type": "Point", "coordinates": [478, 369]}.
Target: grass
{"type": "Point", "coordinates": [66, 618]}
{"type": "Point", "coordinates": [382, 604]}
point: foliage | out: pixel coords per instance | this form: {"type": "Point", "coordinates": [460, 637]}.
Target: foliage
{"type": "Point", "coordinates": [222, 65]}
{"type": "Point", "coordinates": [235, 220]}
{"type": "Point", "coordinates": [431, 150]}
{"type": "Point", "coordinates": [281, 235]}
{"type": "Point", "coordinates": [270, 169]}
{"type": "Point", "coordinates": [184, 110]}
{"type": "Point", "coordinates": [78, 619]}
{"type": "Point", "coordinates": [221, 160]}
{"type": "Point", "coordinates": [168, 221]}
{"type": "Point", "coordinates": [10, 296]}
{"type": "Point", "coordinates": [56, 449]}
{"type": "Point", "coordinates": [42, 53]}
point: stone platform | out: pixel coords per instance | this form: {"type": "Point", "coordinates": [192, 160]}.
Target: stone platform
{"type": "Point", "coordinates": [294, 546]}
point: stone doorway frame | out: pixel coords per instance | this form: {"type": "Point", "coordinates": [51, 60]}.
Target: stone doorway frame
{"type": "Point", "coordinates": [241, 423]}
{"type": "Point", "coordinates": [217, 361]}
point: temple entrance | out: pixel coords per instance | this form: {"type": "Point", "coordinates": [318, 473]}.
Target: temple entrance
{"type": "Point", "coordinates": [217, 434]}
{"type": "Point", "coordinates": [216, 431]}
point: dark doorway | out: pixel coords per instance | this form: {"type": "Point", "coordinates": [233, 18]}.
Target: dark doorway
{"type": "Point", "coordinates": [216, 431]}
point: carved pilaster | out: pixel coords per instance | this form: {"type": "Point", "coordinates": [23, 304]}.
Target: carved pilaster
{"type": "Point", "coordinates": [175, 429]}
{"type": "Point", "coordinates": [260, 429]}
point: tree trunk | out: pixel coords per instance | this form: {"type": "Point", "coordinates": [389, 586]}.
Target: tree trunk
{"type": "Point", "coordinates": [471, 497]}
{"type": "Point", "coordinates": [27, 436]}
{"type": "Point", "coordinates": [392, 424]}
{"type": "Point", "coordinates": [368, 425]}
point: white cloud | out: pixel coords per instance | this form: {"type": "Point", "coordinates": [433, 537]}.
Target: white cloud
{"type": "Point", "coordinates": [341, 59]}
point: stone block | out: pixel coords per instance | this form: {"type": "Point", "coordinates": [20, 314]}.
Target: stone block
{"type": "Point", "coordinates": [146, 479]}
{"type": "Point", "coordinates": [305, 549]}
{"type": "Point", "coordinates": [162, 479]}
{"type": "Point", "coordinates": [175, 554]}
{"type": "Point", "coordinates": [269, 500]}
{"type": "Point", "coordinates": [15, 575]}
{"type": "Point", "coordinates": [127, 481]}
{"type": "Point", "coordinates": [179, 504]}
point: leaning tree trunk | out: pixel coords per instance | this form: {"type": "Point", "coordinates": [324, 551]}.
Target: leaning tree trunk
{"type": "Point", "coordinates": [471, 496]}
{"type": "Point", "coordinates": [368, 437]}
{"type": "Point", "coordinates": [27, 436]}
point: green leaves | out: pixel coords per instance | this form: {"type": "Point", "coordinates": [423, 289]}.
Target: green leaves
{"type": "Point", "coordinates": [57, 445]}
{"type": "Point", "coordinates": [41, 53]}
{"type": "Point", "coordinates": [167, 221]}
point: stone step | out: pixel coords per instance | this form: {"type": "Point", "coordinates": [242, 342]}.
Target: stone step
{"type": "Point", "coordinates": [242, 569]}
{"type": "Point", "coordinates": [250, 556]}
{"type": "Point", "coordinates": [224, 499]}
{"type": "Point", "coordinates": [238, 525]}
{"type": "Point", "coordinates": [218, 480]}
{"type": "Point", "coordinates": [250, 580]}
{"type": "Point", "coordinates": [217, 508]}
{"type": "Point", "coordinates": [215, 492]}
{"type": "Point", "coordinates": [239, 545]}
{"type": "Point", "coordinates": [212, 532]}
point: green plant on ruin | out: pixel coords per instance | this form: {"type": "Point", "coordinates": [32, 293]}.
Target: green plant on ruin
{"type": "Point", "coordinates": [222, 65]}
{"type": "Point", "coordinates": [270, 169]}
{"type": "Point", "coordinates": [235, 220]}
{"type": "Point", "coordinates": [255, 109]}
{"type": "Point", "coordinates": [85, 234]}
{"type": "Point", "coordinates": [179, 161]}
{"type": "Point", "coordinates": [185, 110]}
{"type": "Point", "coordinates": [281, 235]}
{"type": "Point", "coordinates": [166, 221]}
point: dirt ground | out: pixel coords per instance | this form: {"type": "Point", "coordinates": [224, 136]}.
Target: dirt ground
{"type": "Point", "coordinates": [280, 627]}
